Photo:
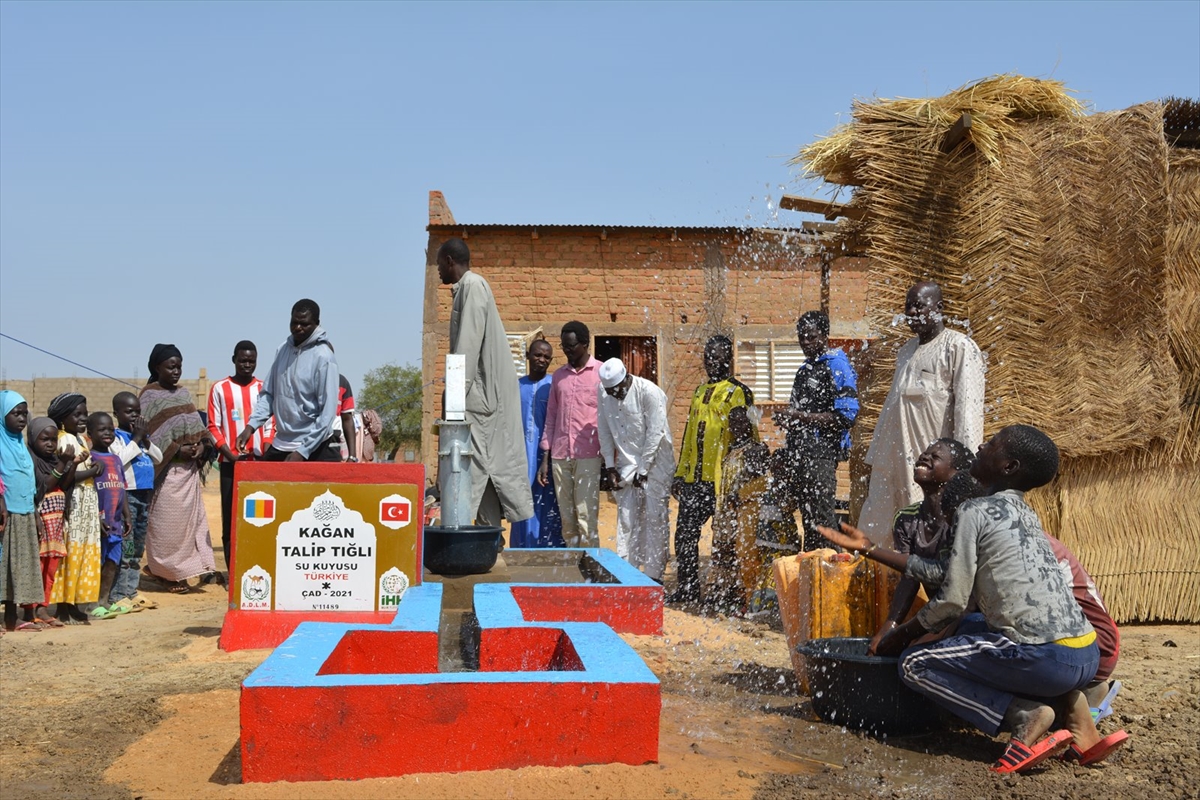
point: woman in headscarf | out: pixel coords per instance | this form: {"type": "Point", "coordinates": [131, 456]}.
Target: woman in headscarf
{"type": "Point", "coordinates": [78, 581]}
{"type": "Point", "coordinates": [177, 539]}
{"type": "Point", "coordinates": [51, 469]}
{"type": "Point", "coordinates": [20, 579]}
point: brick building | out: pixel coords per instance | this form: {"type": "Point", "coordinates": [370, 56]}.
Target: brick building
{"type": "Point", "coordinates": [650, 295]}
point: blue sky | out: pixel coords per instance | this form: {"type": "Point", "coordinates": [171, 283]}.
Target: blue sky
{"type": "Point", "coordinates": [183, 172]}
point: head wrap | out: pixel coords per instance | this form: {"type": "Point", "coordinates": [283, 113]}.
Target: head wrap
{"type": "Point", "coordinates": [41, 464]}
{"type": "Point", "coordinates": [16, 467]}
{"type": "Point", "coordinates": [612, 372]}
{"type": "Point", "coordinates": [62, 406]}
{"type": "Point", "coordinates": [158, 355]}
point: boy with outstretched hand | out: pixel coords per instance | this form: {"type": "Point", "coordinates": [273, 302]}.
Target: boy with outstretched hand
{"type": "Point", "coordinates": [1031, 649]}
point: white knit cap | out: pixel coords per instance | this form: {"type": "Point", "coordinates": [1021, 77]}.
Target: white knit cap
{"type": "Point", "coordinates": [612, 372]}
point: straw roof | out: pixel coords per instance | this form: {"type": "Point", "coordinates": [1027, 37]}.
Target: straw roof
{"type": "Point", "coordinates": [1068, 246]}
{"type": "Point", "coordinates": [997, 105]}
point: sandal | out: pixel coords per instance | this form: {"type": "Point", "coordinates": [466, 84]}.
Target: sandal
{"type": "Point", "coordinates": [144, 603]}
{"type": "Point", "coordinates": [178, 587]}
{"type": "Point", "coordinates": [30, 627]}
{"type": "Point", "coordinates": [51, 623]}
{"type": "Point", "coordinates": [125, 606]}
{"type": "Point", "coordinates": [100, 612]}
{"type": "Point", "coordinates": [213, 577]}
{"type": "Point", "coordinates": [1099, 751]}
{"type": "Point", "coordinates": [1104, 710]}
{"type": "Point", "coordinates": [1019, 757]}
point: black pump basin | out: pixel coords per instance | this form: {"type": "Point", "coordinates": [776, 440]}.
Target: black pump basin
{"type": "Point", "coordinates": [469, 550]}
{"type": "Point", "coordinates": [850, 688]}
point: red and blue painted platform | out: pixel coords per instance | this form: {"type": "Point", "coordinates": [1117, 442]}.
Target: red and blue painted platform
{"type": "Point", "coordinates": [555, 686]}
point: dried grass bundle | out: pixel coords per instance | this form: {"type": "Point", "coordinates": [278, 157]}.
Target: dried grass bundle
{"type": "Point", "coordinates": [1055, 264]}
{"type": "Point", "coordinates": [996, 105]}
{"type": "Point", "coordinates": [1133, 521]}
{"type": "Point", "coordinates": [1183, 294]}
{"type": "Point", "coordinates": [1069, 248]}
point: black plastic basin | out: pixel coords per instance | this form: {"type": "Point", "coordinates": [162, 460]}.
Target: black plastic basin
{"type": "Point", "coordinates": [850, 688]}
{"type": "Point", "coordinates": [469, 550]}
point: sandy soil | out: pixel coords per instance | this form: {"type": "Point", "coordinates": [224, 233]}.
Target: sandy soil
{"type": "Point", "coordinates": [146, 706]}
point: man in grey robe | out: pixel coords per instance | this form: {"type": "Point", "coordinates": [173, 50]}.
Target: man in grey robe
{"type": "Point", "coordinates": [937, 393]}
{"type": "Point", "coordinates": [499, 475]}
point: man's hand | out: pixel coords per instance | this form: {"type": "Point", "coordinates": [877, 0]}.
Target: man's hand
{"type": "Point", "coordinates": [543, 473]}
{"type": "Point", "coordinates": [614, 478]}
{"type": "Point", "coordinates": [640, 480]}
{"type": "Point", "coordinates": [294, 456]}
{"type": "Point", "coordinates": [677, 487]}
{"type": "Point", "coordinates": [228, 454]}
{"type": "Point", "coordinates": [850, 538]}
{"type": "Point", "coordinates": [244, 438]}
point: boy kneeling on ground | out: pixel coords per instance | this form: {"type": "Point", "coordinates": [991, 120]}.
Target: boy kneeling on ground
{"type": "Point", "coordinates": [1030, 651]}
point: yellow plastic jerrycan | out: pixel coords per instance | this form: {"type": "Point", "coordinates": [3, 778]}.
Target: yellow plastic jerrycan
{"type": "Point", "coordinates": [823, 594]}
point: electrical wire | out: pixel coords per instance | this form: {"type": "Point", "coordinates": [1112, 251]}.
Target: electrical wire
{"type": "Point", "coordinates": [69, 361]}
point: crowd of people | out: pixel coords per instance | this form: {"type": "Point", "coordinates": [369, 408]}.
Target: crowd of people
{"type": "Point", "coordinates": [1014, 636]}
{"type": "Point", "coordinates": [86, 496]}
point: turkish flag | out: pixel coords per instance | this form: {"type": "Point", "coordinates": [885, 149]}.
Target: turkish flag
{"type": "Point", "coordinates": [395, 512]}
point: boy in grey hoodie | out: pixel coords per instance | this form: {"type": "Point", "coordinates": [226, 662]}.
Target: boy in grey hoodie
{"type": "Point", "coordinates": [301, 390]}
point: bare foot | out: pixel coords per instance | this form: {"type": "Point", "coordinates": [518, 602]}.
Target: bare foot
{"type": "Point", "coordinates": [1077, 718]}
{"type": "Point", "coordinates": [1028, 720]}
{"type": "Point", "coordinates": [1096, 692]}
{"type": "Point", "coordinates": [43, 616]}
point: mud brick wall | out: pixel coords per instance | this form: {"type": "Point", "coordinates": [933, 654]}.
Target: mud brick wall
{"type": "Point", "coordinates": [679, 285]}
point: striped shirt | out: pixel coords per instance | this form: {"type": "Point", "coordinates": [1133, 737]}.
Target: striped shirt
{"type": "Point", "coordinates": [229, 407]}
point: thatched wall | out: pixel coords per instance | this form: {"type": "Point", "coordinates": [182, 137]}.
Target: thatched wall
{"type": "Point", "coordinates": [1183, 294]}
{"type": "Point", "coordinates": [1067, 246]}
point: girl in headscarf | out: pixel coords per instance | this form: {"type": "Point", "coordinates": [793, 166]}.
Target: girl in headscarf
{"type": "Point", "coordinates": [51, 469]}
{"type": "Point", "coordinates": [20, 579]}
{"type": "Point", "coordinates": [177, 538]}
{"type": "Point", "coordinates": [78, 580]}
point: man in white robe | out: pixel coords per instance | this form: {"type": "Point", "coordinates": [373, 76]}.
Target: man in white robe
{"type": "Point", "coordinates": [635, 443]}
{"type": "Point", "coordinates": [937, 392]}
{"type": "Point", "coordinates": [499, 477]}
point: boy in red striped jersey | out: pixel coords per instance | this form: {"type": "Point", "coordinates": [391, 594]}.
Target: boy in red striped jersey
{"type": "Point", "coordinates": [230, 404]}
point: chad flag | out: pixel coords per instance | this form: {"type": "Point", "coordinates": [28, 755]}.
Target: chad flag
{"type": "Point", "coordinates": [260, 509]}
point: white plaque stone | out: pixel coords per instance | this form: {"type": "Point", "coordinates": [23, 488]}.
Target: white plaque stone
{"type": "Point", "coordinates": [325, 559]}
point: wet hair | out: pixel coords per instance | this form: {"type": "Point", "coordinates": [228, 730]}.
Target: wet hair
{"type": "Point", "coordinates": [456, 250]}
{"type": "Point", "coordinates": [306, 306]}
{"type": "Point", "coordinates": [582, 334]}
{"type": "Point", "coordinates": [122, 397]}
{"type": "Point", "coordinates": [720, 340]}
{"type": "Point", "coordinates": [246, 344]}
{"type": "Point", "coordinates": [1035, 451]}
{"type": "Point", "coordinates": [958, 489]}
{"type": "Point", "coordinates": [961, 456]}
{"type": "Point", "coordinates": [96, 417]}
{"type": "Point", "coordinates": [816, 319]}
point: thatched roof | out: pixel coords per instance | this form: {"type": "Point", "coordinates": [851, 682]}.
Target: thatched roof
{"type": "Point", "coordinates": [1068, 246]}
{"type": "Point", "coordinates": [996, 105]}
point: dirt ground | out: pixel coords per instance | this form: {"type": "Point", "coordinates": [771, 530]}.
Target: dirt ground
{"type": "Point", "coordinates": [146, 706]}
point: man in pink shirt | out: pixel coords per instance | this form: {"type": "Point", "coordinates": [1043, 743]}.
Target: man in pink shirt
{"type": "Point", "coordinates": [571, 440]}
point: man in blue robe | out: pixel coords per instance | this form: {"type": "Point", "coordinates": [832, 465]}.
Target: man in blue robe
{"type": "Point", "coordinates": [544, 528]}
